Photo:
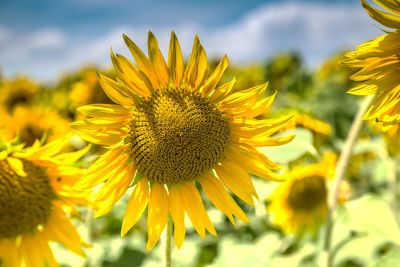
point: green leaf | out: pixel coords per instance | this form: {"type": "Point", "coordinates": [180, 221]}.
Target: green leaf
{"type": "Point", "coordinates": [372, 214]}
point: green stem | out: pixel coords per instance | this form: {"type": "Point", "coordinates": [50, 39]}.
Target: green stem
{"type": "Point", "coordinates": [341, 167]}
{"type": "Point", "coordinates": [166, 244]}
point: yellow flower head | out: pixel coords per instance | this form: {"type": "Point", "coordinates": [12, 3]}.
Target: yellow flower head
{"type": "Point", "coordinates": [19, 92]}
{"type": "Point", "coordinates": [300, 203]}
{"type": "Point", "coordinates": [308, 122]}
{"type": "Point", "coordinates": [173, 130]}
{"type": "Point", "coordinates": [33, 123]}
{"type": "Point", "coordinates": [36, 203]}
{"type": "Point", "coordinates": [379, 63]}
{"type": "Point", "coordinates": [88, 90]}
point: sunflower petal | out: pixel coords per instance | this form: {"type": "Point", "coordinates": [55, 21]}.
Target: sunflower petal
{"type": "Point", "coordinates": [214, 78]}
{"type": "Point", "coordinates": [136, 205]}
{"type": "Point", "coordinates": [157, 59]}
{"type": "Point", "coordinates": [221, 199]}
{"type": "Point", "coordinates": [142, 61]}
{"type": "Point", "coordinates": [195, 209]}
{"type": "Point", "coordinates": [117, 92]}
{"type": "Point", "coordinates": [386, 19]}
{"type": "Point", "coordinates": [175, 60]}
{"type": "Point", "coordinates": [157, 214]}
{"type": "Point", "coordinates": [178, 215]}
{"type": "Point", "coordinates": [135, 79]}
{"type": "Point", "coordinates": [9, 253]}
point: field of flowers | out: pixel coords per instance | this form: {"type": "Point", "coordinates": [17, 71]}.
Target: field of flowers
{"type": "Point", "coordinates": [98, 175]}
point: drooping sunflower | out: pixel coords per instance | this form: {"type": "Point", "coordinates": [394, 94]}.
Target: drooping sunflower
{"type": "Point", "coordinates": [300, 203]}
{"type": "Point", "coordinates": [173, 130]}
{"type": "Point", "coordinates": [33, 123]}
{"type": "Point", "coordinates": [308, 122]}
{"type": "Point", "coordinates": [37, 202]}
{"type": "Point", "coordinates": [379, 62]}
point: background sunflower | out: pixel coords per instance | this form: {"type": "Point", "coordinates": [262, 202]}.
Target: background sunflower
{"type": "Point", "coordinates": [37, 202]}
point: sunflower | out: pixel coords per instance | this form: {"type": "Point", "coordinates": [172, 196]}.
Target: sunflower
{"type": "Point", "coordinates": [36, 203]}
{"type": "Point", "coordinates": [300, 203]}
{"type": "Point", "coordinates": [379, 62]}
{"type": "Point", "coordinates": [308, 122]}
{"type": "Point", "coordinates": [172, 132]}
{"type": "Point", "coordinates": [87, 91]}
{"type": "Point", "coordinates": [33, 123]}
{"type": "Point", "coordinates": [19, 92]}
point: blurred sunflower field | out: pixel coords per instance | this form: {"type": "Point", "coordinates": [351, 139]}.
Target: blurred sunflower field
{"type": "Point", "coordinates": [84, 182]}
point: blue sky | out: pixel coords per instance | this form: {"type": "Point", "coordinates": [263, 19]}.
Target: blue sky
{"type": "Point", "coordinates": [43, 38]}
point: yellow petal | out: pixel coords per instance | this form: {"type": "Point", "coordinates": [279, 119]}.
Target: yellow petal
{"type": "Point", "coordinates": [72, 157]}
{"type": "Point", "coordinates": [386, 19]}
{"type": "Point", "coordinates": [36, 251]}
{"type": "Point", "coordinates": [197, 66]}
{"type": "Point", "coordinates": [142, 61]}
{"type": "Point", "coordinates": [111, 137]}
{"type": "Point", "coordinates": [114, 188]}
{"type": "Point", "coordinates": [136, 205]}
{"type": "Point", "coordinates": [9, 255]}
{"type": "Point", "coordinates": [175, 61]}
{"type": "Point", "coordinates": [117, 92]}
{"type": "Point", "coordinates": [60, 229]}
{"type": "Point", "coordinates": [222, 92]}
{"type": "Point", "coordinates": [17, 166]}
{"type": "Point", "coordinates": [102, 168]}
{"type": "Point", "coordinates": [237, 181]}
{"type": "Point", "coordinates": [195, 209]}
{"type": "Point", "coordinates": [251, 165]}
{"type": "Point", "coordinates": [244, 152]}
{"type": "Point", "coordinates": [157, 59]}
{"type": "Point", "coordinates": [157, 215]}
{"type": "Point", "coordinates": [261, 108]}
{"type": "Point", "coordinates": [214, 78]}
{"type": "Point", "coordinates": [52, 148]}
{"type": "Point", "coordinates": [391, 5]}
{"type": "Point", "coordinates": [178, 215]}
{"type": "Point", "coordinates": [105, 110]}
{"type": "Point", "coordinates": [221, 199]}
{"type": "Point", "coordinates": [135, 79]}
{"type": "Point", "coordinates": [241, 99]}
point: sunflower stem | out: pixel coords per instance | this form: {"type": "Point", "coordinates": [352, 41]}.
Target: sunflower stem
{"type": "Point", "coordinates": [327, 257]}
{"type": "Point", "coordinates": [391, 174]}
{"type": "Point", "coordinates": [166, 244]}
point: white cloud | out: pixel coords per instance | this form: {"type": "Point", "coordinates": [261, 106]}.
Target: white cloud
{"type": "Point", "coordinates": [315, 30]}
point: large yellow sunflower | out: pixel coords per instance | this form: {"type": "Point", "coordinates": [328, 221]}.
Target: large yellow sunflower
{"type": "Point", "coordinates": [379, 62]}
{"type": "Point", "coordinates": [36, 203]}
{"type": "Point", "coordinates": [300, 203]}
{"type": "Point", "coordinates": [172, 131]}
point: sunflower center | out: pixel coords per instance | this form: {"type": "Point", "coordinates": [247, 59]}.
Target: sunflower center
{"type": "Point", "coordinates": [307, 193]}
{"type": "Point", "coordinates": [177, 136]}
{"type": "Point", "coordinates": [25, 201]}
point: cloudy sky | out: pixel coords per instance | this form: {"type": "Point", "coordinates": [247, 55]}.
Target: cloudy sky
{"type": "Point", "coordinates": [43, 38]}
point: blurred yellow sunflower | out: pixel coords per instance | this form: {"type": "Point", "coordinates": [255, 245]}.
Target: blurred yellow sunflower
{"type": "Point", "coordinates": [311, 123]}
{"type": "Point", "coordinates": [173, 131]}
{"type": "Point", "coordinates": [87, 91]}
{"type": "Point", "coordinates": [300, 203]}
{"type": "Point", "coordinates": [34, 123]}
{"type": "Point", "coordinates": [36, 203]}
{"type": "Point", "coordinates": [19, 92]}
{"type": "Point", "coordinates": [379, 62]}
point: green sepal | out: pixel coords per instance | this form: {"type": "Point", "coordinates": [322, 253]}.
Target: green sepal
{"type": "Point", "coordinates": [138, 176]}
